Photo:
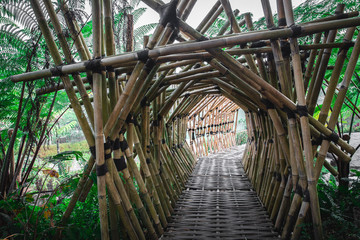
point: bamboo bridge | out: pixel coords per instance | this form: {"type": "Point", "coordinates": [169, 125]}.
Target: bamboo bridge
{"type": "Point", "coordinates": [173, 107]}
{"type": "Point", "coordinates": [219, 203]}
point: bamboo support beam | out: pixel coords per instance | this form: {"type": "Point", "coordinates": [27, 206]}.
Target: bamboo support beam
{"type": "Point", "coordinates": [228, 41]}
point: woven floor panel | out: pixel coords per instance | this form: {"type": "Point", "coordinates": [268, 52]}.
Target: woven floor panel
{"type": "Point", "coordinates": [219, 203]}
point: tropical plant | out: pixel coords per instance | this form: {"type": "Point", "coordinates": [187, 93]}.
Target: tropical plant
{"type": "Point", "coordinates": [34, 214]}
{"type": "Point", "coordinates": [31, 116]}
{"type": "Point", "coordinates": [124, 13]}
{"type": "Point", "coordinates": [339, 208]}
{"type": "Point", "coordinates": [241, 137]}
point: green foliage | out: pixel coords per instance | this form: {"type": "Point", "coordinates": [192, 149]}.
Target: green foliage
{"type": "Point", "coordinates": [78, 147]}
{"type": "Point", "coordinates": [338, 207]}
{"type": "Point", "coordinates": [241, 137]}
{"type": "Point", "coordinates": [315, 9]}
{"type": "Point", "coordinates": [216, 26]}
{"type": "Point", "coordinates": [29, 221]}
{"type": "Point", "coordinates": [120, 27]}
{"type": "Point", "coordinates": [36, 213]}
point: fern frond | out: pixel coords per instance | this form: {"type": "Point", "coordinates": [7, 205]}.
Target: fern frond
{"type": "Point", "coordinates": [21, 12]}
{"type": "Point", "coordinates": [137, 13]}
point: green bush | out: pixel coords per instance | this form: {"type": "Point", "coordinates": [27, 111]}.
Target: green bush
{"type": "Point", "coordinates": [241, 137]}
{"type": "Point", "coordinates": [35, 211]}
{"type": "Point", "coordinates": [339, 209]}
{"type": "Point", "coordinates": [23, 218]}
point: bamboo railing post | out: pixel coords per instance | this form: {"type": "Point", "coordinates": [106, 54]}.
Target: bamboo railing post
{"type": "Point", "coordinates": [145, 161]}
{"type": "Point", "coordinates": [120, 198]}
{"type": "Point", "coordinates": [143, 191]}
{"type": "Point", "coordinates": [110, 50]}
{"type": "Point", "coordinates": [165, 178]}
{"type": "Point", "coordinates": [172, 174]}
{"type": "Point", "coordinates": [281, 178]}
{"type": "Point", "coordinates": [154, 167]}
{"type": "Point", "coordinates": [177, 168]}
{"type": "Point", "coordinates": [118, 164]}
{"type": "Point", "coordinates": [137, 174]}
{"type": "Point", "coordinates": [275, 177]}
{"type": "Point", "coordinates": [299, 84]}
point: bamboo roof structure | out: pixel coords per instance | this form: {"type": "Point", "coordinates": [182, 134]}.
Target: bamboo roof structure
{"type": "Point", "coordinates": [178, 98]}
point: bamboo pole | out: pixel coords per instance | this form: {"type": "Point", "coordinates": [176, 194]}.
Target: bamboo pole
{"type": "Point", "coordinates": [71, 95]}
{"type": "Point", "coordinates": [300, 92]}
{"type": "Point", "coordinates": [76, 35]}
{"type": "Point", "coordinates": [194, 46]}
{"type": "Point", "coordinates": [336, 110]}
{"type": "Point", "coordinates": [236, 29]}
{"type": "Point", "coordinates": [335, 77]}
{"type": "Point", "coordinates": [312, 99]}
{"type": "Point", "coordinates": [98, 123]}
{"type": "Point", "coordinates": [69, 58]}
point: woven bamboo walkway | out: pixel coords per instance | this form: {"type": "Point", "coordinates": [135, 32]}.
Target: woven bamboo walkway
{"type": "Point", "coordinates": [219, 203]}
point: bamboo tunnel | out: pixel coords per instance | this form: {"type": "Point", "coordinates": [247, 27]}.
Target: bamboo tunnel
{"type": "Point", "coordinates": [156, 111]}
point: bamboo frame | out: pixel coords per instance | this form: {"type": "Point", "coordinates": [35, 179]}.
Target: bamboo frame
{"type": "Point", "coordinates": [168, 127]}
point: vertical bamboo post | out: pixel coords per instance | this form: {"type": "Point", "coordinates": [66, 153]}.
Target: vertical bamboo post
{"type": "Point", "coordinates": [119, 162]}
{"type": "Point", "coordinates": [98, 122]}
{"type": "Point", "coordinates": [304, 123]}
{"type": "Point", "coordinates": [310, 65]}
{"type": "Point", "coordinates": [110, 50]}
{"type": "Point", "coordinates": [70, 92]}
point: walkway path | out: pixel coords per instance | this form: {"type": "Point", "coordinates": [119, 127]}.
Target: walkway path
{"type": "Point", "coordinates": [219, 203]}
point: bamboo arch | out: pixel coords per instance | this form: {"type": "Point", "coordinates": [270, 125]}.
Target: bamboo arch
{"type": "Point", "coordinates": [168, 128]}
